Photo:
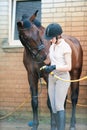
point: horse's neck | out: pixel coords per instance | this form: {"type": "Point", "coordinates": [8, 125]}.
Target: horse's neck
{"type": "Point", "coordinates": [42, 29]}
{"type": "Point", "coordinates": [28, 54]}
{"type": "Point", "coordinates": [46, 43]}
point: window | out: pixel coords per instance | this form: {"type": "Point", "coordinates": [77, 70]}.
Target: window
{"type": "Point", "coordinates": [20, 7]}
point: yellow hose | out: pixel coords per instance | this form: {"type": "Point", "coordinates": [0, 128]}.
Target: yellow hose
{"type": "Point", "coordinates": [80, 105]}
{"type": "Point", "coordinates": [76, 80]}
{"type": "Point", "coordinates": [10, 113]}
{"type": "Point", "coordinates": [21, 105]}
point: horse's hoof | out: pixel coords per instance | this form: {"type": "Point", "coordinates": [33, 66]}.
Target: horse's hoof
{"type": "Point", "coordinates": [72, 128]}
{"type": "Point", "coordinates": [30, 123]}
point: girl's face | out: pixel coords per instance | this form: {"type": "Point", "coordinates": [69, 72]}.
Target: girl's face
{"type": "Point", "coordinates": [53, 40]}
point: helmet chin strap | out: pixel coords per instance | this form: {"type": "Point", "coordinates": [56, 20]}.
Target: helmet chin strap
{"type": "Point", "coordinates": [58, 37]}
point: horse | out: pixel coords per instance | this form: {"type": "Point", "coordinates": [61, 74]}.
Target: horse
{"type": "Point", "coordinates": [36, 48]}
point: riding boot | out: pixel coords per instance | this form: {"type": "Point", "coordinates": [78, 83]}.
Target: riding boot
{"type": "Point", "coordinates": [56, 120]}
{"type": "Point", "coordinates": [60, 120]}
{"type": "Point", "coordinates": [53, 121]}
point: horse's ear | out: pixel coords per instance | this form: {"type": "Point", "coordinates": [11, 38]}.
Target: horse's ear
{"type": "Point", "coordinates": [33, 16]}
{"type": "Point", "coordinates": [36, 12]}
{"type": "Point", "coordinates": [19, 24]}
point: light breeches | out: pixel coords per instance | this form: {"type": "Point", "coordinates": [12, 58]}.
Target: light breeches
{"type": "Point", "coordinates": [57, 91]}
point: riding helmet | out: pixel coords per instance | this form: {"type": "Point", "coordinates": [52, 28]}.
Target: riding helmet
{"type": "Point", "coordinates": [53, 30]}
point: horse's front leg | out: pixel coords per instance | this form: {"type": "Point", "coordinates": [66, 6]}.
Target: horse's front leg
{"type": "Point", "coordinates": [74, 99]}
{"type": "Point", "coordinates": [34, 102]}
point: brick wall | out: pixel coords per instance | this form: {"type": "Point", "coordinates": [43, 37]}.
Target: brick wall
{"type": "Point", "coordinates": [72, 16]}
{"type": "Point", "coordinates": [14, 88]}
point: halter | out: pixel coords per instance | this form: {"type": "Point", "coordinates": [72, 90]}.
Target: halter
{"type": "Point", "coordinates": [32, 50]}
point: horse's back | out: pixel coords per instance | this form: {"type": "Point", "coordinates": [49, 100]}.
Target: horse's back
{"type": "Point", "coordinates": [77, 53]}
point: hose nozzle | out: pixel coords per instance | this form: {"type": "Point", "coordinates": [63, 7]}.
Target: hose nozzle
{"type": "Point", "coordinates": [43, 67]}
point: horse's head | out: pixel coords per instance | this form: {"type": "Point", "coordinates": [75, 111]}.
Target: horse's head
{"type": "Point", "coordinates": [31, 39]}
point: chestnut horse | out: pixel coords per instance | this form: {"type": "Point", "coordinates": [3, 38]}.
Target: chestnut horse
{"type": "Point", "coordinates": [36, 48]}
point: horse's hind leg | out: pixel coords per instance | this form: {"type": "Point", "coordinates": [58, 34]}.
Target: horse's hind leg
{"type": "Point", "coordinates": [74, 98]}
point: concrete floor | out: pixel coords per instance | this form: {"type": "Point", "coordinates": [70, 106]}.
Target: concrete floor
{"type": "Point", "coordinates": [20, 120]}
{"type": "Point", "coordinates": [23, 126]}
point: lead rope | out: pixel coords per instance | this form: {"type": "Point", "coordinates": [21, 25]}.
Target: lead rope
{"type": "Point", "coordinates": [57, 77]}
